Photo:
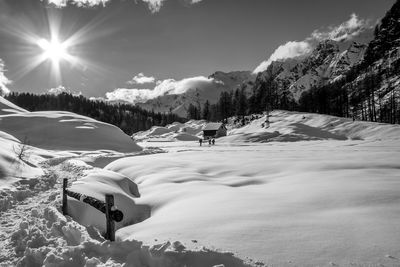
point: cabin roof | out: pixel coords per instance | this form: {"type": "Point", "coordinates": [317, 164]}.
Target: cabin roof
{"type": "Point", "coordinates": [212, 126]}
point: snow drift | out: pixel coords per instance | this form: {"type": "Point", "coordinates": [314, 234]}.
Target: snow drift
{"type": "Point", "coordinates": [286, 126]}
{"type": "Point", "coordinates": [330, 198]}
{"type": "Point", "coordinates": [57, 130]}
{"type": "Point", "coordinates": [99, 183]}
{"type": "Point", "coordinates": [189, 131]}
{"type": "Point", "coordinates": [6, 107]}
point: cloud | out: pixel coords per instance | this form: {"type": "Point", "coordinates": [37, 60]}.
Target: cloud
{"type": "Point", "coordinates": [142, 79]}
{"type": "Point", "coordinates": [154, 5]}
{"type": "Point", "coordinates": [347, 30]}
{"type": "Point", "coordinates": [168, 86]}
{"type": "Point", "coordinates": [61, 89]}
{"type": "Point", "coordinates": [4, 81]}
{"type": "Point", "coordinates": [79, 3]}
{"type": "Point", "coordinates": [291, 49]}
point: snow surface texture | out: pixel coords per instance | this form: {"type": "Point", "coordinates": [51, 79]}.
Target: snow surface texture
{"type": "Point", "coordinates": [330, 200]}
{"type": "Point", "coordinates": [32, 230]}
{"type": "Point", "coordinates": [35, 233]}
{"type": "Point", "coordinates": [189, 131]}
{"type": "Point", "coordinates": [309, 190]}
{"type": "Point", "coordinates": [59, 130]}
{"type": "Point", "coordinates": [25, 138]}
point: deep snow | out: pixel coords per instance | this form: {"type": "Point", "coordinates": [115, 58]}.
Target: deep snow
{"type": "Point", "coordinates": [310, 190]}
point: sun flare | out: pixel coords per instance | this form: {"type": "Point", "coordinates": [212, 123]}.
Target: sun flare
{"type": "Point", "coordinates": [53, 49]}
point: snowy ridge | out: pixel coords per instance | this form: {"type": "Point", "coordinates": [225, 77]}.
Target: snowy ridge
{"type": "Point", "coordinates": [286, 126]}
{"type": "Point", "coordinates": [6, 107]}
{"type": "Point", "coordinates": [189, 131]}
{"type": "Point", "coordinates": [329, 61]}
{"type": "Point", "coordinates": [178, 104]}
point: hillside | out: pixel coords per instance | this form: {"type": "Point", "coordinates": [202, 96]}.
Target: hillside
{"type": "Point", "coordinates": [348, 78]}
{"type": "Point", "coordinates": [329, 61]}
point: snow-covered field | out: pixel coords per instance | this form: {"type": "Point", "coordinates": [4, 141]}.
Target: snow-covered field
{"type": "Point", "coordinates": [310, 190]}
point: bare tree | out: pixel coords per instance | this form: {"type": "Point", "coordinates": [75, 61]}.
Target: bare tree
{"type": "Point", "coordinates": [22, 150]}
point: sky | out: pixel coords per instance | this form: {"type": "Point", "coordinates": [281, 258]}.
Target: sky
{"type": "Point", "coordinates": [145, 44]}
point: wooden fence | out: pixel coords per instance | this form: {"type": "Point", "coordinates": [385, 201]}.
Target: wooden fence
{"type": "Point", "coordinates": [106, 207]}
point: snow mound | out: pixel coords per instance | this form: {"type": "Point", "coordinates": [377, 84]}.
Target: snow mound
{"type": "Point", "coordinates": [6, 107]}
{"type": "Point", "coordinates": [176, 126]}
{"type": "Point", "coordinates": [156, 130]}
{"type": "Point", "coordinates": [186, 137]}
{"type": "Point", "coordinates": [288, 126]}
{"type": "Point", "coordinates": [189, 131]}
{"type": "Point", "coordinates": [16, 164]}
{"type": "Point", "coordinates": [58, 130]}
{"type": "Point", "coordinates": [99, 183]}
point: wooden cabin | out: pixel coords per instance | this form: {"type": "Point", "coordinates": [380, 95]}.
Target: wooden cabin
{"type": "Point", "coordinates": [214, 130]}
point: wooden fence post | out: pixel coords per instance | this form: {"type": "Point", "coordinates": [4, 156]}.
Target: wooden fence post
{"type": "Point", "coordinates": [110, 234]}
{"type": "Point", "coordinates": [65, 200]}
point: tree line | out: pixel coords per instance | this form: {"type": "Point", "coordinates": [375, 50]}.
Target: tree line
{"type": "Point", "coordinates": [127, 117]}
{"type": "Point", "coordinates": [241, 102]}
{"type": "Point", "coordinates": [346, 97]}
{"type": "Point", "coordinates": [229, 104]}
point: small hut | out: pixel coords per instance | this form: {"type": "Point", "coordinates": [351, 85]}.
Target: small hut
{"type": "Point", "coordinates": [214, 130]}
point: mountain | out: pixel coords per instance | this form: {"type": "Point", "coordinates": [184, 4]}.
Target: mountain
{"type": "Point", "coordinates": [339, 77]}
{"type": "Point", "coordinates": [179, 103]}
{"type": "Point", "coordinates": [370, 90]}
{"type": "Point", "coordinates": [328, 62]}
{"type": "Point", "coordinates": [375, 83]}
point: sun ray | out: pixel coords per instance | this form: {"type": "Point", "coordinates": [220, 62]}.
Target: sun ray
{"type": "Point", "coordinates": [51, 45]}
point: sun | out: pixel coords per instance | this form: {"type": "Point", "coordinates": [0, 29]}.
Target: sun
{"type": "Point", "coordinates": [53, 49]}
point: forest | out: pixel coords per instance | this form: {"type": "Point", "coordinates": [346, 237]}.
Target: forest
{"type": "Point", "coordinates": [129, 118]}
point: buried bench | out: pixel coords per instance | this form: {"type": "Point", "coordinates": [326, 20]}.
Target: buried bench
{"type": "Point", "coordinates": [107, 207]}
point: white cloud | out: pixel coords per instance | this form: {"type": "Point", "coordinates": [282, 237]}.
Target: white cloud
{"type": "Point", "coordinates": [142, 79]}
{"type": "Point", "coordinates": [80, 3]}
{"type": "Point", "coordinates": [292, 49]}
{"type": "Point", "coordinates": [168, 86]}
{"type": "Point", "coordinates": [4, 81]}
{"type": "Point", "coordinates": [347, 30]}
{"type": "Point", "coordinates": [61, 89]}
{"type": "Point", "coordinates": [154, 5]}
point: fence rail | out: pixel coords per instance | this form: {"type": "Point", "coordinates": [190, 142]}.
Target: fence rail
{"type": "Point", "coordinates": [106, 207]}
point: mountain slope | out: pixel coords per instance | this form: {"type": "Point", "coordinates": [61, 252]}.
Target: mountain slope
{"type": "Point", "coordinates": [328, 62]}
{"type": "Point", "coordinates": [370, 90]}
{"type": "Point", "coordinates": [178, 103]}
